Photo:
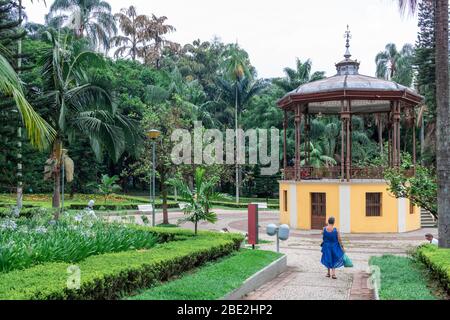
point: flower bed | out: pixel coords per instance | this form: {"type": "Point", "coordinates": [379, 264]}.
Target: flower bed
{"type": "Point", "coordinates": [113, 275]}
{"type": "Point", "coordinates": [27, 242]}
{"type": "Point", "coordinates": [438, 260]}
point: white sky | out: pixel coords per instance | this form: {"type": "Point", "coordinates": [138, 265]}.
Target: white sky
{"type": "Point", "coordinates": [274, 33]}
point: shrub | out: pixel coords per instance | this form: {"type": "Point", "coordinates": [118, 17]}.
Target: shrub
{"type": "Point", "coordinates": [118, 207]}
{"type": "Point", "coordinates": [26, 212]}
{"type": "Point", "coordinates": [112, 275]}
{"type": "Point", "coordinates": [438, 260]}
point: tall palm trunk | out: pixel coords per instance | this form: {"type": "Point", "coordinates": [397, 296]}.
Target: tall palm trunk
{"type": "Point", "coordinates": [19, 126]}
{"type": "Point", "coordinates": [237, 143]}
{"type": "Point", "coordinates": [164, 192]}
{"type": "Point", "coordinates": [443, 122]}
{"type": "Point", "coordinates": [56, 199]}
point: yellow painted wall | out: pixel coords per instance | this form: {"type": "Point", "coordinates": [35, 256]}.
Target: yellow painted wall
{"type": "Point", "coordinates": [360, 223]}
{"type": "Point", "coordinates": [304, 191]}
{"type": "Point", "coordinates": [412, 220]}
{"type": "Point", "coordinates": [284, 215]}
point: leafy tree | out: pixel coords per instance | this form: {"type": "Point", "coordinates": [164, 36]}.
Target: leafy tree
{"type": "Point", "coordinates": [87, 18]}
{"type": "Point", "coordinates": [39, 132]}
{"type": "Point", "coordinates": [298, 76]}
{"type": "Point", "coordinates": [79, 104]}
{"type": "Point", "coordinates": [443, 116]}
{"type": "Point", "coordinates": [108, 186]}
{"type": "Point", "coordinates": [396, 65]}
{"type": "Point", "coordinates": [425, 80]}
{"type": "Point", "coordinates": [155, 29]}
{"type": "Point", "coordinates": [420, 188]}
{"type": "Point", "coordinates": [198, 200]}
{"type": "Point", "coordinates": [131, 24]}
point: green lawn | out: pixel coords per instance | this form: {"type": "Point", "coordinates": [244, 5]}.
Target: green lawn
{"type": "Point", "coordinates": [118, 200]}
{"type": "Point", "coordinates": [403, 278]}
{"type": "Point", "coordinates": [214, 280]}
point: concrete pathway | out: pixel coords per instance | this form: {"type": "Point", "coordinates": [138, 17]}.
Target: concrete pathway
{"type": "Point", "coordinates": [305, 278]}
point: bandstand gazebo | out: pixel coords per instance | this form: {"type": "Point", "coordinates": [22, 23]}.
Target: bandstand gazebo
{"type": "Point", "coordinates": [357, 197]}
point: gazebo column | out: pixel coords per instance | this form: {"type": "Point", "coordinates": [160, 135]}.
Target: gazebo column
{"type": "Point", "coordinates": [397, 134]}
{"type": "Point", "coordinates": [413, 112]}
{"type": "Point", "coordinates": [285, 126]}
{"type": "Point", "coordinates": [394, 135]}
{"type": "Point", "coordinates": [346, 140]}
{"type": "Point", "coordinates": [307, 138]}
{"type": "Point", "coordinates": [349, 142]}
{"type": "Point", "coordinates": [390, 148]}
{"type": "Point", "coordinates": [298, 119]}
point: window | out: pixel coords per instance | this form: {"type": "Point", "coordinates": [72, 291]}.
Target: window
{"type": "Point", "coordinates": [373, 204]}
{"type": "Point", "coordinates": [285, 200]}
{"type": "Point", "coordinates": [411, 208]}
{"type": "Point", "coordinates": [318, 204]}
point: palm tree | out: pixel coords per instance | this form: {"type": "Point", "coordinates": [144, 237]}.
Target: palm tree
{"type": "Point", "coordinates": [39, 132]}
{"type": "Point", "coordinates": [198, 200]}
{"type": "Point", "coordinates": [236, 67]}
{"type": "Point", "coordinates": [79, 104]}
{"type": "Point", "coordinates": [131, 24]}
{"type": "Point", "coordinates": [240, 92]}
{"type": "Point", "coordinates": [317, 158]}
{"type": "Point", "coordinates": [298, 76]}
{"type": "Point", "coordinates": [396, 65]}
{"type": "Point", "coordinates": [443, 114]}
{"type": "Point", "coordinates": [154, 30]}
{"type": "Point", "coordinates": [88, 18]}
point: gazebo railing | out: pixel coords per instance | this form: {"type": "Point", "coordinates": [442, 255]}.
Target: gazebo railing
{"type": "Point", "coordinates": [312, 173]}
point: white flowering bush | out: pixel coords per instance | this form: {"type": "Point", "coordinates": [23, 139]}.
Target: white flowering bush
{"type": "Point", "coordinates": [76, 236]}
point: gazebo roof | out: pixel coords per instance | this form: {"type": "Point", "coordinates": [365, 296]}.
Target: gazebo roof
{"type": "Point", "coordinates": [367, 94]}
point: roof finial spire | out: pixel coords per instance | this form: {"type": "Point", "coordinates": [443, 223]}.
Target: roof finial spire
{"type": "Point", "coordinates": [348, 36]}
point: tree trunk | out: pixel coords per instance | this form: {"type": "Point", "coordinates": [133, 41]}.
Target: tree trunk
{"type": "Point", "coordinates": [164, 202]}
{"type": "Point", "coordinates": [195, 228]}
{"type": "Point", "coordinates": [237, 143]}
{"type": "Point", "coordinates": [443, 123]}
{"type": "Point", "coordinates": [56, 154]}
{"type": "Point", "coordinates": [19, 127]}
{"type": "Point", "coordinates": [56, 189]}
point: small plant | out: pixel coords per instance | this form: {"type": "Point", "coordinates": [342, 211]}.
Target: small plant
{"type": "Point", "coordinates": [145, 219]}
{"type": "Point", "coordinates": [108, 186]}
{"type": "Point", "coordinates": [198, 200]}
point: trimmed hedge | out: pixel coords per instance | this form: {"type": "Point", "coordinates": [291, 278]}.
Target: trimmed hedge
{"type": "Point", "coordinates": [438, 260]}
{"type": "Point", "coordinates": [234, 205]}
{"type": "Point", "coordinates": [113, 275]}
{"type": "Point", "coordinates": [26, 212]}
{"type": "Point", "coordinates": [118, 207]}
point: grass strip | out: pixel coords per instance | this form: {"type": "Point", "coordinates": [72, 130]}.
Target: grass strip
{"type": "Point", "coordinates": [402, 278]}
{"type": "Point", "coordinates": [214, 280]}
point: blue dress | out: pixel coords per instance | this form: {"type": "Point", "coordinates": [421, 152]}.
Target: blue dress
{"type": "Point", "coordinates": [332, 254]}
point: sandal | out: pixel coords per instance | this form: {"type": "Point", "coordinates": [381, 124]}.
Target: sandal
{"type": "Point", "coordinates": [334, 277]}
{"type": "Point", "coordinates": [328, 275]}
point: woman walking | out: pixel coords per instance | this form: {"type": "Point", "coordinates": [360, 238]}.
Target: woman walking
{"type": "Point", "coordinates": [332, 249]}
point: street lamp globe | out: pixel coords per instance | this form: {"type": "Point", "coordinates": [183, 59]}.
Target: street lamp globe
{"type": "Point", "coordinates": [153, 134]}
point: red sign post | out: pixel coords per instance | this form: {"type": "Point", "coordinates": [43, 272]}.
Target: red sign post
{"type": "Point", "coordinates": [252, 224]}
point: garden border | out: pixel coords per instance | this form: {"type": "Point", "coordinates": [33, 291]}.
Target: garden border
{"type": "Point", "coordinates": [258, 279]}
{"type": "Point", "coordinates": [109, 276]}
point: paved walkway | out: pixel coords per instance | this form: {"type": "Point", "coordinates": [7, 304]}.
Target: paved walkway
{"type": "Point", "coordinates": [305, 278]}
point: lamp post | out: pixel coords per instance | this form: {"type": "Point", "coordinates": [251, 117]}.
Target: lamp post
{"type": "Point", "coordinates": [153, 135]}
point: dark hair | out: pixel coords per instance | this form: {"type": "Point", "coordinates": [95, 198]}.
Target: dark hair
{"type": "Point", "coordinates": [331, 220]}
{"type": "Point", "coordinates": [429, 235]}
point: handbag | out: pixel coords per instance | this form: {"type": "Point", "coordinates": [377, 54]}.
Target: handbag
{"type": "Point", "coordinates": [347, 262]}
